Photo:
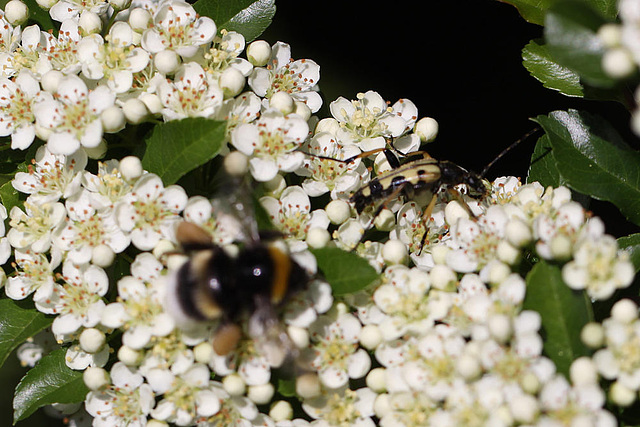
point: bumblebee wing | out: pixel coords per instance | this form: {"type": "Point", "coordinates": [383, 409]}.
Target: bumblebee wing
{"type": "Point", "coordinates": [269, 334]}
{"type": "Point", "coordinates": [234, 206]}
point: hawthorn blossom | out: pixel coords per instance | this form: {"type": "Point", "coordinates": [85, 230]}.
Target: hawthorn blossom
{"type": "Point", "coordinates": [72, 119]}
{"type": "Point", "coordinates": [32, 228]}
{"type": "Point", "coordinates": [368, 121]}
{"type": "Point", "coordinates": [298, 78]}
{"type": "Point", "coordinates": [190, 94]}
{"type": "Point", "coordinates": [113, 59]}
{"type": "Point", "coordinates": [150, 212]}
{"type": "Point", "coordinates": [17, 98]}
{"type": "Point", "coordinates": [176, 26]}
{"type": "Point", "coordinates": [271, 142]}
{"type": "Point", "coordinates": [51, 176]}
{"type": "Point", "coordinates": [126, 401]}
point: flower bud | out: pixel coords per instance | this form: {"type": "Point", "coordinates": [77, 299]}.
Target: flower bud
{"type": "Point", "coordinates": [135, 111]}
{"type": "Point", "coordinates": [385, 220]}
{"type": "Point", "coordinates": [621, 395]}
{"type": "Point", "coordinates": [624, 311]}
{"type": "Point", "coordinates": [167, 61]}
{"type": "Point", "coordinates": [394, 252]}
{"type": "Point", "coordinates": [131, 168]}
{"type": "Point", "coordinates": [258, 53]}
{"type": "Point", "coordinates": [618, 63]}
{"type": "Point", "coordinates": [426, 129]}
{"type": "Point", "coordinates": [282, 102]}
{"type": "Point", "coordinates": [89, 23]}
{"type": "Point", "coordinates": [236, 163]}
{"type": "Point", "coordinates": [308, 386]}
{"type": "Point", "coordinates": [102, 256]}
{"type": "Point", "coordinates": [592, 335]}
{"type": "Point", "coordinates": [139, 19]}
{"type": "Point", "coordinates": [610, 34]}
{"type": "Point", "coordinates": [113, 119]}
{"type": "Point", "coordinates": [302, 109]}
{"type": "Point", "coordinates": [370, 336]}
{"type": "Point", "coordinates": [524, 408]}
{"type": "Point", "coordinates": [120, 4]}
{"type": "Point", "coordinates": [376, 380]}
{"type": "Point", "coordinates": [338, 211]}
{"type": "Point", "coordinates": [231, 82]}
{"type": "Point", "coordinates": [16, 12]}
{"type": "Point", "coordinates": [50, 80]}
{"type": "Point", "coordinates": [95, 378]}
{"type": "Point", "coordinates": [261, 394]}
{"type": "Point", "coordinates": [46, 4]}
{"type": "Point", "coordinates": [92, 340]}
{"type": "Point", "coordinates": [128, 356]}
{"type": "Point", "coordinates": [318, 238]}
{"type": "Point", "coordinates": [203, 352]}
{"type": "Point", "coordinates": [234, 385]}
{"type": "Point", "coordinates": [281, 411]}
{"type": "Point", "coordinates": [583, 371]}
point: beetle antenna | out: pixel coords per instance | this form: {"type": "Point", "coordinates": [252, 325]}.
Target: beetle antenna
{"type": "Point", "coordinates": [509, 148]}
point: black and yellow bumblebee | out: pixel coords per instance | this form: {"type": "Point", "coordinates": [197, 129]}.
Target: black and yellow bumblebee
{"type": "Point", "coordinates": [244, 292]}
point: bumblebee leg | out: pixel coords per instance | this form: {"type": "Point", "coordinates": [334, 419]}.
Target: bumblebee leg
{"type": "Point", "coordinates": [226, 338]}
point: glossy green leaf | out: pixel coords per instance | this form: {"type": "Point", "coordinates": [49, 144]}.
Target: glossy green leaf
{"type": "Point", "coordinates": [345, 271]}
{"type": "Point", "coordinates": [40, 16]}
{"type": "Point", "coordinates": [18, 321]}
{"type": "Point", "coordinates": [593, 159]}
{"type": "Point", "coordinates": [563, 311]}
{"type": "Point", "coordinates": [570, 31]}
{"type": "Point", "coordinates": [247, 17]}
{"type": "Point", "coordinates": [631, 245]}
{"type": "Point", "coordinates": [543, 167]}
{"type": "Point", "coordinates": [177, 147]}
{"type": "Point", "coordinates": [540, 64]}
{"type": "Point", "coordinates": [50, 381]}
{"type": "Point", "coordinates": [534, 10]}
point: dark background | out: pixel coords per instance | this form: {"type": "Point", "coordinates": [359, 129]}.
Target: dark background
{"type": "Point", "coordinates": [458, 61]}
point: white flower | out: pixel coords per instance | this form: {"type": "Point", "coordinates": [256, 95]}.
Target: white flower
{"type": "Point", "coordinates": [190, 94]}
{"type": "Point", "coordinates": [17, 98]}
{"type": "Point", "coordinates": [115, 61]}
{"type": "Point", "coordinates": [326, 175]}
{"type": "Point", "coordinates": [188, 397]}
{"type": "Point", "coordinates": [80, 301]}
{"type": "Point", "coordinates": [34, 273]}
{"type": "Point", "coordinates": [61, 53]}
{"type": "Point", "coordinates": [224, 53]}
{"type": "Point", "coordinates": [139, 312]}
{"type": "Point", "coordinates": [342, 407]}
{"type": "Point", "coordinates": [368, 120]}
{"type": "Point", "coordinates": [108, 186]}
{"type": "Point", "coordinates": [271, 142]}
{"type": "Point", "coordinates": [71, 9]}
{"type": "Point", "coordinates": [598, 267]}
{"type": "Point", "coordinates": [292, 215]}
{"type": "Point", "coordinates": [150, 212]}
{"type": "Point", "coordinates": [298, 78]}
{"type": "Point", "coordinates": [72, 119]}
{"type": "Point", "coordinates": [244, 108]}
{"type": "Point", "coordinates": [32, 229]}
{"type": "Point", "coordinates": [176, 26]}
{"type": "Point", "coordinates": [87, 228]}
{"type": "Point", "coordinates": [127, 401]}
{"type": "Point", "coordinates": [52, 176]}
{"type": "Point", "coordinates": [336, 354]}
{"type": "Point", "coordinates": [9, 42]}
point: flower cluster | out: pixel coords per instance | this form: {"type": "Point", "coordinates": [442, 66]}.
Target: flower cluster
{"type": "Point", "coordinates": [440, 338]}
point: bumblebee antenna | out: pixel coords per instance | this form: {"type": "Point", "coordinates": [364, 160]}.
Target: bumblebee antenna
{"type": "Point", "coordinates": [506, 150]}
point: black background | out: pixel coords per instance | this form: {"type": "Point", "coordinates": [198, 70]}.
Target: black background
{"type": "Point", "coordinates": [458, 61]}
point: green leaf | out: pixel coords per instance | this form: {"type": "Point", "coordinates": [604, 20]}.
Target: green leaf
{"type": "Point", "coordinates": [593, 159]}
{"type": "Point", "coordinates": [537, 60]}
{"type": "Point", "coordinates": [18, 322]}
{"type": "Point", "coordinates": [247, 17]}
{"type": "Point", "coordinates": [38, 15]}
{"type": "Point", "coordinates": [563, 311]}
{"type": "Point", "coordinates": [543, 166]}
{"type": "Point", "coordinates": [631, 245]}
{"type": "Point", "coordinates": [345, 271]}
{"type": "Point", "coordinates": [570, 31]}
{"type": "Point", "coordinates": [50, 381]}
{"type": "Point", "coordinates": [177, 147]}
{"type": "Point", "coordinates": [534, 10]}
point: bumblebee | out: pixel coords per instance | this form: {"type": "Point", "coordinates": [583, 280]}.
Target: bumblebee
{"type": "Point", "coordinates": [243, 292]}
